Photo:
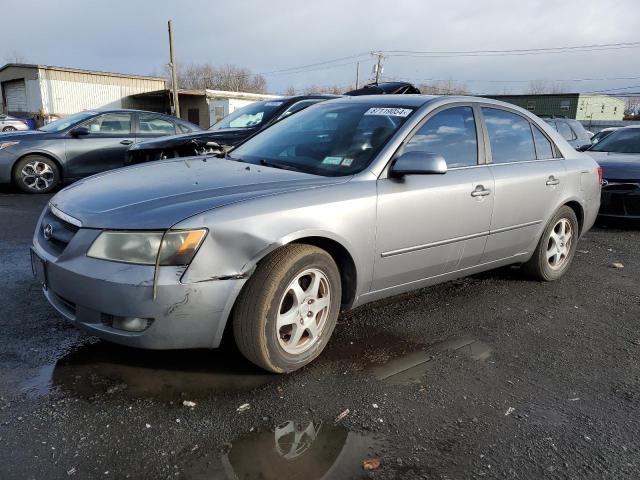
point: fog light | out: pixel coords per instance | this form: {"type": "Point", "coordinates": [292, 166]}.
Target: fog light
{"type": "Point", "coordinates": [131, 324]}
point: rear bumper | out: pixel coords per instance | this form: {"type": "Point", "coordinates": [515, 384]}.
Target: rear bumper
{"type": "Point", "coordinates": [90, 293]}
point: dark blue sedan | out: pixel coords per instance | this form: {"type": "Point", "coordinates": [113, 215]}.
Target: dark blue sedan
{"type": "Point", "coordinates": [89, 142]}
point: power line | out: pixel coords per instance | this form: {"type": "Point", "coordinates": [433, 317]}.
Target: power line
{"type": "Point", "coordinates": [522, 51]}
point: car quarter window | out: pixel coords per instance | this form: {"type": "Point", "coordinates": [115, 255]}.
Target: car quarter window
{"type": "Point", "coordinates": [110, 124]}
{"type": "Point", "coordinates": [510, 136]}
{"type": "Point", "coordinates": [450, 133]}
{"type": "Point", "coordinates": [156, 125]}
{"type": "Point", "coordinates": [544, 149]}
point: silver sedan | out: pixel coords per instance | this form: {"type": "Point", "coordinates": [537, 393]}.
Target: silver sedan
{"type": "Point", "coordinates": [12, 124]}
{"type": "Point", "coordinates": [349, 201]}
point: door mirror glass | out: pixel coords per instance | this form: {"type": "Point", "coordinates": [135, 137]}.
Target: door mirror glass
{"type": "Point", "coordinates": [419, 163]}
{"type": "Point", "coordinates": [79, 132]}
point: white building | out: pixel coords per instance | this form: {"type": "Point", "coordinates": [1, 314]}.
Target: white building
{"type": "Point", "coordinates": [202, 107]}
{"type": "Point", "coordinates": [43, 91]}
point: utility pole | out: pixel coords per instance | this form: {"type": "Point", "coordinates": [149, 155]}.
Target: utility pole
{"type": "Point", "coordinates": [357, 74]}
{"type": "Point", "coordinates": [378, 66]}
{"type": "Point", "coordinates": [174, 76]}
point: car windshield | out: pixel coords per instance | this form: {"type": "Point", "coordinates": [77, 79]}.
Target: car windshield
{"type": "Point", "coordinates": [624, 140]}
{"type": "Point", "coordinates": [66, 122]}
{"type": "Point", "coordinates": [327, 139]}
{"type": "Point", "coordinates": [250, 116]}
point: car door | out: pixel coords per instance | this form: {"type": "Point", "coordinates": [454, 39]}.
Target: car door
{"type": "Point", "coordinates": [528, 181]}
{"type": "Point", "coordinates": [429, 225]}
{"type": "Point", "coordinates": [152, 125]}
{"type": "Point", "coordinates": [103, 148]}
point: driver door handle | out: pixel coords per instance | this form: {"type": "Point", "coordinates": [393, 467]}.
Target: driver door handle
{"type": "Point", "coordinates": [126, 142]}
{"type": "Point", "coordinates": [480, 191]}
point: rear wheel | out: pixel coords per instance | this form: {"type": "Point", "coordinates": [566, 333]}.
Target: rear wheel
{"type": "Point", "coordinates": [36, 174]}
{"type": "Point", "coordinates": [9, 129]}
{"type": "Point", "coordinates": [556, 248]}
{"type": "Point", "coordinates": [288, 309]}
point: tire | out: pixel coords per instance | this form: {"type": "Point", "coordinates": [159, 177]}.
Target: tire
{"type": "Point", "coordinates": [44, 174]}
{"type": "Point", "coordinates": [553, 242]}
{"type": "Point", "coordinates": [269, 297]}
{"type": "Point", "coordinates": [9, 129]}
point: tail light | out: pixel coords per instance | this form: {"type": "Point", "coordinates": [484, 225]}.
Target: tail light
{"type": "Point", "coordinates": [600, 175]}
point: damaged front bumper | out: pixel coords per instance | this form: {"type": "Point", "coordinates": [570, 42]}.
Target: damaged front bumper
{"type": "Point", "coordinates": [98, 295]}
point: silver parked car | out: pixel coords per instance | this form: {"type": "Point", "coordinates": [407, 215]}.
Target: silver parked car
{"type": "Point", "coordinates": [12, 124]}
{"type": "Point", "coordinates": [572, 131]}
{"type": "Point", "coordinates": [348, 201]}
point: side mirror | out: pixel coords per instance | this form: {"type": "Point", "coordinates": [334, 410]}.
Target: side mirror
{"type": "Point", "coordinates": [79, 132]}
{"type": "Point", "coordinates": [419, 163]}
{"type": "Point", "coordinates": [583, 148]}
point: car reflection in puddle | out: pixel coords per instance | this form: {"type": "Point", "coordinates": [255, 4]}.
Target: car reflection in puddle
{"type": "Point", "coordinates": [102, 368]}
{"type": "Point", "coordinates": [294, 450]}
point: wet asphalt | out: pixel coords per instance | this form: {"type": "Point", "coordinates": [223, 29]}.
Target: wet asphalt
{"type": "Point", "coordinates": [492, 376]}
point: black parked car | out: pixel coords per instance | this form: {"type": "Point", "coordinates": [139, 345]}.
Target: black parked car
{"type": "Point", "coordinates": [79, 145]}
{"type": "Point", "coordinates": [619, 156]}
{"type": "Point", "coordinates": [228, 132]}
{"type": "Point", "coordinates": [385, 88]}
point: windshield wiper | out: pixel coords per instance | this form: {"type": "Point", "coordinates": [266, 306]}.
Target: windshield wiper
{"type": "Point", "coordinates": [282, 166]}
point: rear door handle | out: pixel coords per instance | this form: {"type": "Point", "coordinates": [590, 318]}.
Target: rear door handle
{"type": "Point", "coordinates": [126, 142]}
{"type": "Point", "coordinates": [480, 191]}
{"type": "Point", "coordinates": [552, 181]}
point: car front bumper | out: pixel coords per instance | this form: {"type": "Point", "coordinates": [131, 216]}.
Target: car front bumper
{"type": "Point", "coordinates": [620, 199]}
{"type": "Point", "coordinates": [91, 293]}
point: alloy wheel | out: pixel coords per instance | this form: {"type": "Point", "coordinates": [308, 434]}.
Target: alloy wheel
{"type": "Point", "coordinates": [37, 175]}
{"type": "Point", "coordinates": [559, 244]}
{"type": "Point", "coordinates": [303, 311]}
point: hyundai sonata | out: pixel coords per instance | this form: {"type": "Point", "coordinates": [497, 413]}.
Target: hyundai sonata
{"type": "Point", "coordinates": [348, 201]}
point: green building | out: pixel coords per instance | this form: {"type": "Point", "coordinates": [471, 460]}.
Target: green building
{"type": "Point", "coordinates": [579, 106]}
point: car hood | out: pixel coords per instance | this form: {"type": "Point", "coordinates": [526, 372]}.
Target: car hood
{"type": "Point", "coordinates": [22, 135]}
{"type": "Point", "coordinates": [226, 136]}
{"type": "Point", "coordinates": [158, 195]}
{"type": "Point", "coordinates": [618, 166]}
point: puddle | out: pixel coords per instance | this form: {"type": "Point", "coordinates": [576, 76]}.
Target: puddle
{"type": "Point", "coordinates": [103, 368]}
{"type": "Point", "coordinates": [294, 450]}
{"type": "Point", "coordinates": [411, 367]}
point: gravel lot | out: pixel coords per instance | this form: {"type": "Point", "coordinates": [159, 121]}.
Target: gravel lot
{"type": "Point", "coordinates": [492, 376]}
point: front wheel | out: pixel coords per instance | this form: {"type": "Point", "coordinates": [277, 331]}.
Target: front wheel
{"type": "Point", "coordinates": [36, 174]}
{"type": "Point", "coordinates": [9, 129]}
{"type": "Point", "coordinates": [288, 309]}
{"type": "Point", "coordinates": [556, 248]}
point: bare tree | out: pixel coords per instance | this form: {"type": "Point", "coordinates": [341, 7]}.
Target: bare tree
{"type": "Point", "coordinates": [319, 89]}
{"type": "Point", "coordinates": [540, 87]}
{"type": "Point", "coordinates": [444, 87]}
{"type": "Point", "coordinates": [200, 76]}
{"type": "Point", "coordinates": [291, 90]}
{"type": "Point", "coordinates": [15, 57]}
{"type": "Point", "coordinates": [632, 108]}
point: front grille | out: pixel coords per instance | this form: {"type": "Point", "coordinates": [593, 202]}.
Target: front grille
{"type": "Point", "coordinates": [621, 198]}
{"type": "Point", "coordinates": [55, 233]}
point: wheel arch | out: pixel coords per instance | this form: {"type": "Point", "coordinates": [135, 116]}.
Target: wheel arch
{"type": "Point", "coordinates": [48, 155]}
{"type": "Point", "coordinates": [578, 210]}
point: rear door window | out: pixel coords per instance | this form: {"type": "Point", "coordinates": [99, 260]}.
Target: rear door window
{"type": "Point", "coordinates": [565, 131]}
{"type": "Point", "coordinates": [156, 125]}
{"type": "Point", "coordinates": [450, 133]}
{"type": "Point", "coordinates": [510, 136]}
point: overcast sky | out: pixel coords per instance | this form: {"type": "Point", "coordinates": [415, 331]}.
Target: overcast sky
{"type": "Point", "coordinates": [130, 36]}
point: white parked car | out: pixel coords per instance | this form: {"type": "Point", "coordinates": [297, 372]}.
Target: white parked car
{"type": "Point", "coordinates": [11, 124]}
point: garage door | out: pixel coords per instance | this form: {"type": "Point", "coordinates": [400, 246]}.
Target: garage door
{"type": "Point", "coordinates": [15, 95]}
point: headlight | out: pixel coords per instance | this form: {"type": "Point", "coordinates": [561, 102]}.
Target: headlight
{"type": "Point", "coordinates": [178, 246]}
{"type": "Point", "coordinates": [7, 144]}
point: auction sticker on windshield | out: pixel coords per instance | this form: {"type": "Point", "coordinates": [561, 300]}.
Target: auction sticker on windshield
{"type": "Point", "coordinates": [389, 111]}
